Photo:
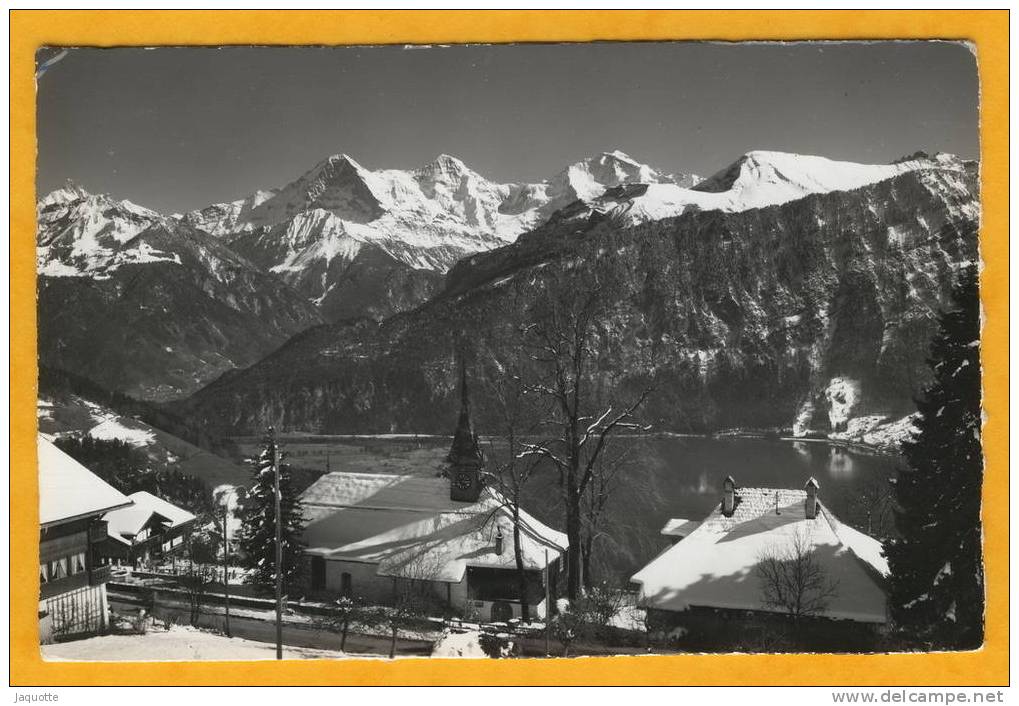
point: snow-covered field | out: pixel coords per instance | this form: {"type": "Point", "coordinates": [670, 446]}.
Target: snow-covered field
{"type": "Point", "coordinates": [179, 643]}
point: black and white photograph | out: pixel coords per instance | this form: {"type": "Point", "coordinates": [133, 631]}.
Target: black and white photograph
{"type": "Point", "coordinates": [508, 351]}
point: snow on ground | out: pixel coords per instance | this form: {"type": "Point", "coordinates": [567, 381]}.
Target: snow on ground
{"type": "Point", "coordinates": [629, 617]}
{"type": "Point", "coordinates": [878, 431]}
{"type": "Point", "coordinates": [842, 394]}
{"type": "Point", "coordinates": [179, 643]}
{"type": "Point", "coordinates": [464, 644]}
{"type": "Point", "coordinates": [111, 428]}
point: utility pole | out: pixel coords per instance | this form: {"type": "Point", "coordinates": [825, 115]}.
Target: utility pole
{"type": "Point", "coordinates": [226, 566]}
{"type": "Point", "coordinates": [279, 549]}
{"type": "Point", "coordinates": [548, 606]}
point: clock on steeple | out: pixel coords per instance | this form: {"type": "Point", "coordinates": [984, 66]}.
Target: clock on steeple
{"type": "Point", "coordinates": [466, 460]}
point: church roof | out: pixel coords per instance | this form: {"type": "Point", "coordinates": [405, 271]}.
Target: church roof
{"type": "Point", "coordinates": [381, 492]}
{"type": "Point", "coordinates": [714, 565]}
{"type": "Point", "coordinates": [409, 527]}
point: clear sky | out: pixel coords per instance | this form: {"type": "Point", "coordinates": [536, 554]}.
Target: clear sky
{"type": "Point", "coordinates": [180, 128]}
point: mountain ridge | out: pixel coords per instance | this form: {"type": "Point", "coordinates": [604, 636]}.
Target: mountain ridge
{"type": "Point", "coordinates": [226, 301]}
{"type": "Point", "coordinates": [755, 316]}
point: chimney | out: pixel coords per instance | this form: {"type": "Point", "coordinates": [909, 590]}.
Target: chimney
{"type": "Point", "coordinates": [810, 506]}
{"type": "Point", "coordinates": [498, 541]}
{"type": "Point", "coordinates": [728, 496]}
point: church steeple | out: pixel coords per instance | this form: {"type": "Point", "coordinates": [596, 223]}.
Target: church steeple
{"type": "Point", "coordinates": [465, 456]}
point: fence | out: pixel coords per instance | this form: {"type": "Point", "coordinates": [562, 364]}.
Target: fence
{"type": "Point", "coordinates": [76, 613]}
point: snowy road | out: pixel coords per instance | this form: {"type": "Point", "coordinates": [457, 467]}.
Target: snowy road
{"type": "Point", "coordinates": [179, 643]}
{"type": "Point", "coordinates": [294, 635]}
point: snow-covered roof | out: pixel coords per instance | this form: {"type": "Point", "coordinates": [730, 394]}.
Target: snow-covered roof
{"type": "Point", "coordinates": [69, 491]}
{"type": "Point", "coordinates": [409, 527]}
{"type": "Point", "coordinates": [129, 521]}
{"type": "Point", "coordinates": [377, 490]}
{"type": "Point", "coordinates": [679, 527]}
{"type": "Point", "coordinates": [714, 566]}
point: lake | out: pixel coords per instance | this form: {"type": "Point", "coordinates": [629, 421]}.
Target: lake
{"type": "Point", "coordinates": [663, 477]}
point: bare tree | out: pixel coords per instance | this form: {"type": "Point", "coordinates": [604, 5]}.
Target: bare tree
{"type": "Point", "coordinates": [511, 419]}
{"type": "Point", "coordinates": [405, 612]}
{"type": "Point", "coordinates": [596, 523]}
{"type": "Point", "coordinates": [567, 342]}
{"type": "Point", "coordinates": [793, 580]}
{"type": "Point", "coordinates": [871, 505]}
{"type": "Point", "coordinates": [347, 611]}
{"type": "Point", "coordinates": [198, 574]}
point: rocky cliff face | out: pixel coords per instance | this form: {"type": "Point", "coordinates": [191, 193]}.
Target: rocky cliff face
{"type": "Point", "coordinates": [807, 313]}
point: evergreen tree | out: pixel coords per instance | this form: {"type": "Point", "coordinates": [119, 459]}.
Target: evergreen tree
{"type": "Point", "coordinates": [937, 587]}
{"type": "Point", "coordinates": [128, 470]}
{"type": "Point", "coordinates": [115, 461]}
{"type": "Point", "coordinates": [258, 518]}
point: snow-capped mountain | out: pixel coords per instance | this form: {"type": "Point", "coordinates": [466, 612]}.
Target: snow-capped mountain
{"type": "Point", "coordinates": [416, 223]}
{"type": "Point", "coordinates": [218, 288]}
{"type": "Point", "coordinates": [83, 234]}
{"type": "Point", "coordinates": [226, 217]}
{"type": "Point", "coordinates": [760, 179]}
{"type": "Point", "coordinates": [440, 204]}
{"type": "Point", "coordinates": [419, 222]}
{"type": "Point", "coordinates": [144, 304]}
{"type": "Point", "coordinates": [749, 317]}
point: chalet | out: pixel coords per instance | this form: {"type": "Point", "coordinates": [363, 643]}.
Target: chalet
{"type": "Point", "coordinates": [150, 528]}
{"type": "Point", "coordinates": [72, 583]}
{"type": "Point", "coordinates": [448, 537]}
{"type": "Point", "coordinates": [710, 579]}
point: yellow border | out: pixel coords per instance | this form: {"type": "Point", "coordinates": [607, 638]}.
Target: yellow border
{"type": "Point", "coordinates": [988, 30]}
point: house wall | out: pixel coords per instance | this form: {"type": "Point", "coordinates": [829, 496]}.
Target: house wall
{"type": "Point", "coordinates": [364, 582]}
{"type": "Point", "coordinates": [146, 547]}
{"type": "Point", "coordinates": [67, 557]}
{"type": "Point", "coordinates": [711, 629]}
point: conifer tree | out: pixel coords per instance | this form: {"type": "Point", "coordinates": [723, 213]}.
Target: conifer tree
{"type": "Point", "coordinates": [937, 587]}
{"type": "Point", "coordinates": [258, 520]}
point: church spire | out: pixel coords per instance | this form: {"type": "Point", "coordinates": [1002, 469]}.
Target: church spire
{"type": "Point", "coordinates": [465, 450]}
{"type": "Point", "coordinates": [465, 456]}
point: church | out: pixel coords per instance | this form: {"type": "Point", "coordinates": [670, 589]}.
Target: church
{"type": "Point", "coordinates": [447, 538]}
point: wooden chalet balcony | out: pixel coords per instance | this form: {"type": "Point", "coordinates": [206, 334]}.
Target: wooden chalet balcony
{"type": "Point", "coordinates": [99, 575]}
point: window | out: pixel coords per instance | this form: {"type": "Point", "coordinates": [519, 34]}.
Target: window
{"type": "Point", "coordinates": [318, 573]}
{"type": "Point", "coordinates": [44, 573]}
{"type": "Point", "coordinates": [58, 568]}
{"type": "Point", "coordinates": [78, 563]}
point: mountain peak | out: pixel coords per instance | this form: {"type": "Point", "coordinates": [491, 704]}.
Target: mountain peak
{"type": "Point", "coordinates": [620, 155]}
{"type": "Point", "coordinates": [342, 157]}
{"type": "Point", "coordinates": [445, 164]}
{"type": "Point", "coordinates": [70, 191]}
{"type": "Point", "coordinates": [449, 160]}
